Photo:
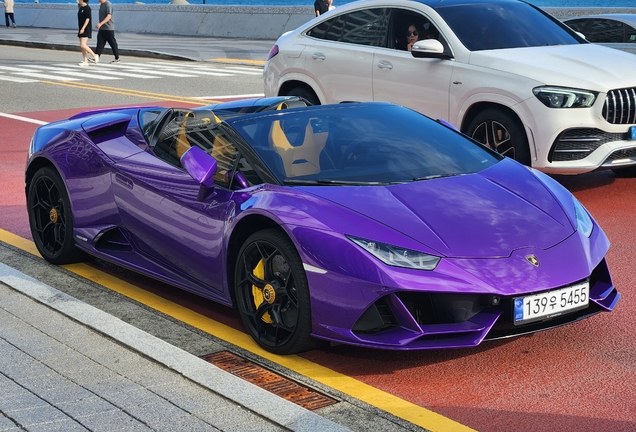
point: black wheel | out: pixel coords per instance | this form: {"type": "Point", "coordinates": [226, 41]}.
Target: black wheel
{"type": "Point", "coordinates": [304, 93]}
{"type": "Point", "coordinates": [625, 172]}
{"type": "Point", "coordinates": [51, 219]}
{"type": "Point", "coordinates": [272, 294]}
{"type": "Point", "coordinates": [501, 132]}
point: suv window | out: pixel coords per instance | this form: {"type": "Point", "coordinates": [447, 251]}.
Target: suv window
{"type": "Point", "coordinates": [604, 31]}
{"type": "Point", "coordinates": [500, 25]}
{"type": "Point", "coordinates": [400, 22]}
{"type": "Point", "coordinates": [363, 27]}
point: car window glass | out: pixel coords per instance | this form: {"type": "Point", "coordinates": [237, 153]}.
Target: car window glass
{"type": "Point", "coordinates": [630, 34]}
{"type": "Point", "coordinates": [360, 143]}
{"type": "Point", "coordinates": [148, 119]}
{"type": "Point", "coordinates": [578, 25]}
{"type": "Point", "coordinates": [363, 27]}
{"type": "Point", "coordinates": [400, 22]}
{"type": "Point", "coordinates": [487, 26]}
{"type": "Point", "coordinates": [604, 31]}
{"type": "Point", "coordinates": [197, 128]}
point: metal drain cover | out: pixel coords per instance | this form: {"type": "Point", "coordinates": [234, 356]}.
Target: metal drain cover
{"type": "Point", "coordinates": [270, 381]}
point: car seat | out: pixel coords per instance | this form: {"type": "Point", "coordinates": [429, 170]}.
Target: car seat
{"type": "Point", "coordinates": [298, 146]}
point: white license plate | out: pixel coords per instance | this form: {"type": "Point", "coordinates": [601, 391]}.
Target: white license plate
{"type": "Point", "coordinates": [551, 303]}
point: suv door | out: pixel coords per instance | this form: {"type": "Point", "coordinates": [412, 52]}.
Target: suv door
{"type": "Point", "coordinates": [340, 60]}
{"type": "Point", "coordinates": [418, 83]}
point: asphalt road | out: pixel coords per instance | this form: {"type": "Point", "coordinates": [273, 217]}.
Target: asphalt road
{"type": "Point", "coordinates": [579, 377]}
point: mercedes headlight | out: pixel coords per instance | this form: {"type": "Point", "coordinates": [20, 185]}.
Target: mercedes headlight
{"type": "Point", "coordinates": [563, 97]}
{"type": "Point", "coordinates": [584, 222]}
{"type": "Point", "coordinates": [397, 256]}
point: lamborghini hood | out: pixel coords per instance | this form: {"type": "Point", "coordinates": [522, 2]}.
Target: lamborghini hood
{"type": "Point", "coordinates": [484, 215]}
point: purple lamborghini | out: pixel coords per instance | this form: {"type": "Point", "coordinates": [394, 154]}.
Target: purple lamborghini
{"type": "Point", "coordinates": [362, 223]}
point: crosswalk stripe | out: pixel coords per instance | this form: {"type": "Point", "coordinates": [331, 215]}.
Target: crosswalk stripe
{"type": "Point", "coordinates": [47, 76]}
{"type": "Point", "coordinates": [16, 79]}
{"type": "Point", "coordinates": [11, 69]}
{"type": "Point", "coordinates": [189, 68]}
{"type": "Point", "coordinates": [109, 72]}
{"type": "Point", "coordinates": [64, 71]}
{"type": "Point", "coordinates": [238, 71]}
{"type": "Point", "coordinates": [155, 72]}
{"type": "Point", "coordinates": [248, 69]}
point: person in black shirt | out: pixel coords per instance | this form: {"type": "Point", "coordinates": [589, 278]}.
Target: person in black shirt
{"type": "Point", "coordinates": [321, 6]}
{"type": "Point", "coordinates": [85, 30]}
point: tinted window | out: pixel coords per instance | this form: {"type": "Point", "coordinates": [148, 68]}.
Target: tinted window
{"type": "Point", "coordinates": [605, 31]}
{"type": "Point", "coordinates": [364, 27]}
{"type": "Point", "coordinates": [360, 143]}
{"type": "Point", "coordinates": [486, 26]}
{"type": "Point", "coordinates": [578, 25]}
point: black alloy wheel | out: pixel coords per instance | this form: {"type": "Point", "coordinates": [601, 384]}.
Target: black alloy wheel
{"type": "Point", "coordinates": [502, 133]}
{"type": "Point", "coordinates": [272, 293]}
{"type": "Point", "coordinates": [51, 219]}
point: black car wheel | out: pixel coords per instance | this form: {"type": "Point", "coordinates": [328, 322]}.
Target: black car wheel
{"type": "Point", "coordinates": [304, 93]}
{"type": "Point", "coordinates": [272, 293]}
{"type": "Point", "coordinates": [501, 132]}
{"type": "Point", "coordinates": [51, 219]}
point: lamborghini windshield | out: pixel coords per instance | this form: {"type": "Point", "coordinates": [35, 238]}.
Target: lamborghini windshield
{"type": "Point", "coordinates": [360, 143]}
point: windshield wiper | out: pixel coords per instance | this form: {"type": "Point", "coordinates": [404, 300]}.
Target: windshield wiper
{"type": "Point", "coordinates": [331, 182]}
{"type": "Point", "coordinates": [434, 176]}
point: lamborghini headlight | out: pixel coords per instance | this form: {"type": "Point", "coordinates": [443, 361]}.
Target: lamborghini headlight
{"type": "Point", "coordinates": [563, 97]}
{"type": "Point", "coordinates": [584, 222]}
{"type": "Point", "coordinates": [397, 256]}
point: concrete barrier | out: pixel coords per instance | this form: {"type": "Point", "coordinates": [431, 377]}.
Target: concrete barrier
{"type": "Point", "coordinates": [258, 22]}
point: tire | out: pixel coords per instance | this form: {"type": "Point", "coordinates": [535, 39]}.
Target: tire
{"type": "Point", "coordinates": [501, 132]}
{"type": "Point", "coordinates": [272, 293]}
{"type": "Point", "coordinates": [625, 172]}
{"type": "Point", "coordinates": [304, 93]}
{"type": "Point", "coordinates": [51, 219]}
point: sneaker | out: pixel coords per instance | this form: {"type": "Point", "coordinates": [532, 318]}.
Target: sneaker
{"type": "Point", "coordinates": [115, 61]}
{"type": "Point", "coordinates": [14, 26]}
{"type": "Point", "coordinates": [94, 59]}
{"type": "Point", "coordinates": [83, 63]}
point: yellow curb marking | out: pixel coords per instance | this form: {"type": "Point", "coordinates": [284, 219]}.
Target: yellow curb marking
{"type": "Point", "coordinates": [392, 404]}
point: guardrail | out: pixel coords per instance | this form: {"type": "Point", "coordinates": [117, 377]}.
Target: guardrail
{"type": "Point", "coordinates": [245, 22]}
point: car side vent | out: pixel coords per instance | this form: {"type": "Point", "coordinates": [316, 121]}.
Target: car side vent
{"type": "Point", "coordinates": [620, 106]}
{"type": "Point", "coordinates": [108, 132]}
{"type": "Point", "coordinates": [378, 317]}
{"type": "Point", "coordinates": [112, 240]}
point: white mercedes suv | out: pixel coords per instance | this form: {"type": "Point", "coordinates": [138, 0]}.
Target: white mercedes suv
{"type": "Point", "coordinates": [502, 71]}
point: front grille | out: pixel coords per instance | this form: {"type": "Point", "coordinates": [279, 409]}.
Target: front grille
{"type": "Point", "coordinates": [578, 143]}
{"type": "Point", "coordinates": [620, 106]}
{"type": "Point", "coordinates": [622, 154]}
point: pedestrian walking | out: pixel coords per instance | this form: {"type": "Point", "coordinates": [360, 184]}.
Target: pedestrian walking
{"type": "Point", "coordinates": [105, 32]}
{"type": "Point", "coordinates": [85, 30]}
{"type": "Point", "coordinates": [321, 6]}
{"type": "Point", "coordinates": [8, 12]}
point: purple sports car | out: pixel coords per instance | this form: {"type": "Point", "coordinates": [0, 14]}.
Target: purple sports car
{"type": "Point", "coordinates": [362, 223]}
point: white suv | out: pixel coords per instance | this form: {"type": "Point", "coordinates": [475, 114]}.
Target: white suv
{"type": "Point", "coordinates": [502, 71]}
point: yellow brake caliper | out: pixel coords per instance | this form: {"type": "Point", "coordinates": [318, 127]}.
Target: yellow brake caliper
{"type": "Point", "coordinates": [257, 293]}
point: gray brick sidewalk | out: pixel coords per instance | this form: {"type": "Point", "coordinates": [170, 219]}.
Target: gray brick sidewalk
{"type": "Point", "coordinates": [57, 374]}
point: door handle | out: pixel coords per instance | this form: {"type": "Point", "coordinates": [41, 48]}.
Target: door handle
{"type": "Point", "coordinates": [383, 64]}
{"type": "Point", "coordinates": [318, 56]}
{"type": "Point", "coordinates": [124, 181]}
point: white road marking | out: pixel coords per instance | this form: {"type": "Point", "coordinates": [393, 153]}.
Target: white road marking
{"type": "Point", "coordinates": [47, 77]}
{"type": "Point", "coordinates": [17, 79]}
{"type": "Point", "coordinates": [24, 119]}
{"type": "Point", "coordinates": [108, 72]}
{"type": "Point", "coordinates": [64, 71]}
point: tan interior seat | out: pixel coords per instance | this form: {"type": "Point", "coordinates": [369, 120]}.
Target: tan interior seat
{"type": "Point", "coordinates": [298, 160]}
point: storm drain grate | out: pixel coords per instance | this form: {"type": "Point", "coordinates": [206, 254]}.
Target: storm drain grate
{"type": "Point", "coordinates": [270, 381]}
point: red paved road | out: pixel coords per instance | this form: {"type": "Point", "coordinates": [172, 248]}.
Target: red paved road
{"type": "Point", "coordinates": [580, 377]}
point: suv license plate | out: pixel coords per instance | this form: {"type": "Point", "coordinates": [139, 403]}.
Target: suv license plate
{"type": "Point", "coordinates": [551, 303]}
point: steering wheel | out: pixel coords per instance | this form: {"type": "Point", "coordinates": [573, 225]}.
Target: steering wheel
{"type": "Point", "coordinates": [357, 153]}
